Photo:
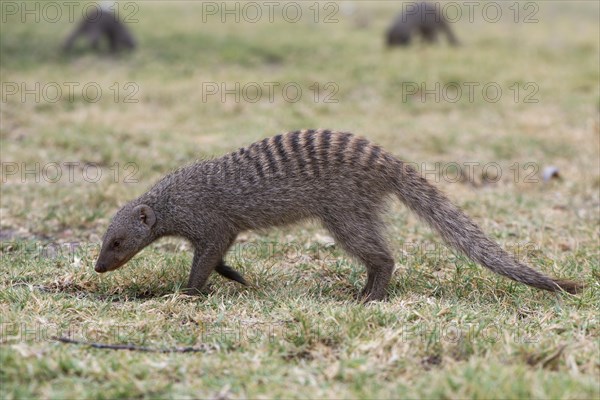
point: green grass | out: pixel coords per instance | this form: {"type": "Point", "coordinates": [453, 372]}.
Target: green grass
{"type": "Point", "coordinates": [449, 329]}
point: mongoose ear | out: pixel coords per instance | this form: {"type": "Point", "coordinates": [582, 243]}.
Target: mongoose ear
{"type": "Point", "coordinates": [145, 215]}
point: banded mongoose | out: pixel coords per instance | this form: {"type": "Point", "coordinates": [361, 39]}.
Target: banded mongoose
{"type": "Point", "coordinates": [337, 178]}
{"type": "Point", "coordinates": [419, 18]}
{"type": "Point", "coordinates": [95, 26]}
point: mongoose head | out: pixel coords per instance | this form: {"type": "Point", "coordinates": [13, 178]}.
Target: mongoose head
{"type": "Point", "coordinates": [129, 232]}
{"type": "Point", "coordinates": [398, 37]}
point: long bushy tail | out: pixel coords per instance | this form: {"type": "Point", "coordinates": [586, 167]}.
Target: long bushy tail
{"type": "Point", "coordinates": [461, 232]}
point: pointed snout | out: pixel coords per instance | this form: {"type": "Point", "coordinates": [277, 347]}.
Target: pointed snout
{"type": "Point", "coordinates": [100, 267]}
{"type": "Point", "coordinates": [105, 264]}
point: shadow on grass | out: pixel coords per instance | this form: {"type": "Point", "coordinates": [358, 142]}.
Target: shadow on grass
{"type": "Point", "coordinates": [125, 294]}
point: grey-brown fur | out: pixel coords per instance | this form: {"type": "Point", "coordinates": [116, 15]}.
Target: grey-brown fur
{"type": "Point", "coordinates": [423, 19]}
{"type": "Point", "coordinates": [337, 178]}
{"type": "Point", "coordinates": [103, 24]}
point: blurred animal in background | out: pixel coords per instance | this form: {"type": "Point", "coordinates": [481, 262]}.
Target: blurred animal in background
{"type": "Point", "coordinates": [103, 23]}
{"type": "Point", "coordinates": [423, 19]}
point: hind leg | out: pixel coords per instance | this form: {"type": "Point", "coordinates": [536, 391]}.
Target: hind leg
{"type": "Point", "coordinates": [360, 234]}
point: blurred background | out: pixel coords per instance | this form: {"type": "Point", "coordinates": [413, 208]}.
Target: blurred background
{"type": "Point", "coordinates": [208, 77]}
{"type": "Point", "coordinates": [507, 123]}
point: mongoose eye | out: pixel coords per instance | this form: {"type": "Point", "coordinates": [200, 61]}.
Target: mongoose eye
{"type": "Point", "coordinates": [116, 244]}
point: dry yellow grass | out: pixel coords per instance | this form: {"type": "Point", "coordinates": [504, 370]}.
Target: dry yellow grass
{"type": "Point", "coordinates": [448, 330]}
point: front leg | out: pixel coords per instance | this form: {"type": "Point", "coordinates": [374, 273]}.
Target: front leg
{"type": "Point", "coordinates": [202, 266]}
{"type": "Point", "coordinates": [94, 37]}
{"type": "Point", "coordinates": [70, 41]}
{"type": "Point", "coordinates": [206, 259]}
{"type": "Point", "coordinates": [451, 38]}
{"type": "Point", "coordinates": [230, 273]}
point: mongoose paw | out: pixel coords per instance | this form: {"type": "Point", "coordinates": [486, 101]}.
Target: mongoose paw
{"type": "Point", "coordinates": [369, 297]}
{"type": "Point", "coordinates": [194, 291]}
{"type": "Point", "coordinates": [230, 273]}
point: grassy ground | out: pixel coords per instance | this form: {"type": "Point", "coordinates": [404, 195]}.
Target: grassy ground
{"type": "Point", "coordinates": [449, 329]}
